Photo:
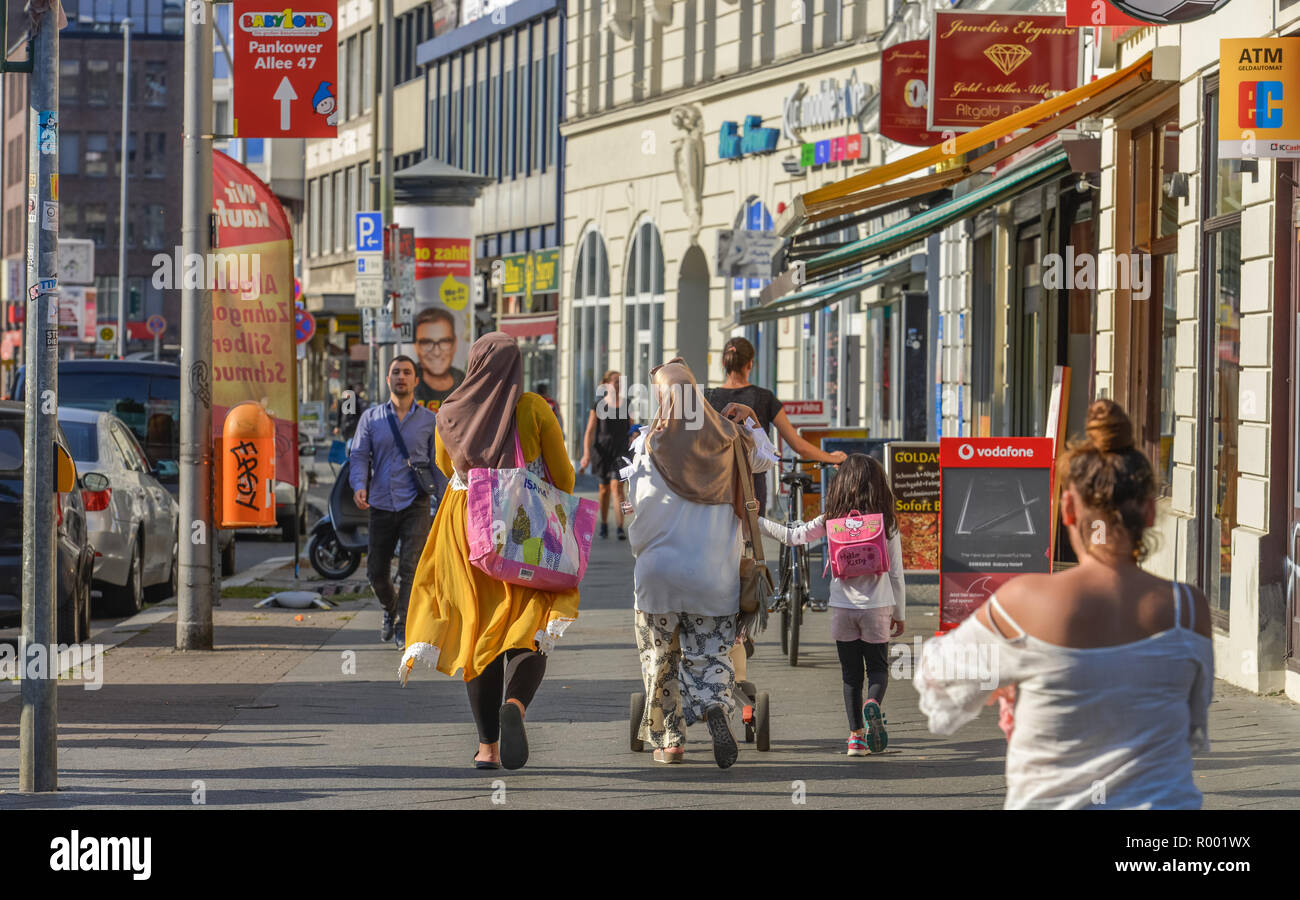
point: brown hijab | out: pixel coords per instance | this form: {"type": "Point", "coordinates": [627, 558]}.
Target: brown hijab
{"type": "Point", "coordinates": [477, 421]}
{"type": "Point", "coordinates": [698, 463]}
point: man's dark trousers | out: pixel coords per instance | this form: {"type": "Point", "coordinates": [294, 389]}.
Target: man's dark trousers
{"type": "Point", "coordinates": [410, 527]}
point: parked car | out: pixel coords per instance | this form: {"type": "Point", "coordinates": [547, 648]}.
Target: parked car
{"type": "Point", "coordinates": [132, 519]}
{"type": "Point", "coordinates": [74, 560]}
{"type": "Point", "coordinates": [146, 397]}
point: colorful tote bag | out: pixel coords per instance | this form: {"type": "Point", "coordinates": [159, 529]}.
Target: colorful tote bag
{"type": "Point", "coordinates": [524, 530]}
{"type": "Point", "coordinates": [856, 545]}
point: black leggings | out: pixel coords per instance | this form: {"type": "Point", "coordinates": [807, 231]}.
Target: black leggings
{"type": "Point", "coordinates": [854, 656]}
{"type": "Point", "coordinates": [519, 673]}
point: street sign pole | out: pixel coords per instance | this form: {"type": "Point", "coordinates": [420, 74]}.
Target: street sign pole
{"type": "Point", "coordinates": [38, 722]}
{"type": "Point", "coordinates": [197, 538]}
{"type": "Point", "coordinates": [122, 208]}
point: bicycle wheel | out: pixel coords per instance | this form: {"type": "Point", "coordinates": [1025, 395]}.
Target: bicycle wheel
{"type": "Point", "coordinates": [783, 567]}
{"type": "Point", "coordinates": [798, 593]}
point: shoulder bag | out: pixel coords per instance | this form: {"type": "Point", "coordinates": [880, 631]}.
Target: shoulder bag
{"type": "Point", "coordinates": [425, 481]}
{"type": "Point", "coordinates": [755, 579]}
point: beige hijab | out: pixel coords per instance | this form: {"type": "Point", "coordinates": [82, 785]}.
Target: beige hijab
{"type": "Point", "coordinates": [477, 421]}
{"type": "Point", "coordinates": [698, 463]}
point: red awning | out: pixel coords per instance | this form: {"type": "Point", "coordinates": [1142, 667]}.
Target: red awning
{"type": "Point", "coordinates": [529, 326]}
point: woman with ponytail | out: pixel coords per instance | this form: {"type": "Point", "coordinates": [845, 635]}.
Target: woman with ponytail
{"type": "Point", "coordinates": [1106, 669]}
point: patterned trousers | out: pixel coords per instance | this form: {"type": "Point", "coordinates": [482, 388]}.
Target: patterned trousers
{"type": "Point", "coordinates": [686, 667]}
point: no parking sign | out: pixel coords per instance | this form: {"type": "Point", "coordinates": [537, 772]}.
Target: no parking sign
{"type": "Point", "coordinates": [304, 324]}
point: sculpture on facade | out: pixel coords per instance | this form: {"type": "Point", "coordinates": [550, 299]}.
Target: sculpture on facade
{"type": "Point", "coordinates": [688, 159]}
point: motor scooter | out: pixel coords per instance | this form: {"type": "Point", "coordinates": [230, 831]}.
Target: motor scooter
{"type": "Point", "coordinates": [342, 535]}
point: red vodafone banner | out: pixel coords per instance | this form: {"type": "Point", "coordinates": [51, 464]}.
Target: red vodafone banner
{"type": "Point", "coordinates": [904, 74]}
{"type": "Point", "coordinates": [995, 517]}
{"type": "Point", "coordinates": [285, 70]}
{"type": "Point", "coordinates": [440, 257]}
{"type": "Point", "coordinates": [1083, 13]}
{"type": "Point", "coordinates": [986, 66]}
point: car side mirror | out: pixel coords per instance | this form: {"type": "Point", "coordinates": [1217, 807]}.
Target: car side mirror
{"type": "Point", "coordinates": [65, 471]}
{"type": "Point", "coordinates": [306, 450]}
{"type": "Point", "coordinates": [165, 468]}
{"type": "Point", "coordinates": [95, 481]}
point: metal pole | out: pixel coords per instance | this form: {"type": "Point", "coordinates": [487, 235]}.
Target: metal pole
{"type": "Point", "coordinates": [122, 214]}
{"type": "Point", "coordinates": [194, 603]}
{"type": "Point", "coordinates": [157, 346]}
{"type": "Point", "coordinates": [386, 183]}
{"type": "Point", "coordinates": [38, 723]}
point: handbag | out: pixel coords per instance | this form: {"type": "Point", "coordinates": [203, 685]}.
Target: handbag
{"type": "Point", "coordinates": [425, 481]}
{"type": "Point", "coordinates": [524, 530]}
{"type": "Point", "coordinates": [755, 580]}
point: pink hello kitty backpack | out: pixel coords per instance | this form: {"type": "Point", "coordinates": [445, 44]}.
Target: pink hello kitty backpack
{"type": "Point", "coordinates": [856, 545]}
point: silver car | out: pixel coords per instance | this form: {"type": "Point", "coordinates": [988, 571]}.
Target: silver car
{"type": "Point", "coordinates": [131, 519]}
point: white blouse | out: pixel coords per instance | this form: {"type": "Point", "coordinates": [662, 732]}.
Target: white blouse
{"type": "Point", "coordinates": [1102, 727]}
{"type": "Point", "coordinates": [687, 554]}
{"type": "Point", "coordinates": [862, 592]}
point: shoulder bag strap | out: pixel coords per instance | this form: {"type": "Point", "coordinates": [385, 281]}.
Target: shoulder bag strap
{"type": "Point", "coordinates": [750, 521]}
{"type": "Point", "coordinates": [397, 435]}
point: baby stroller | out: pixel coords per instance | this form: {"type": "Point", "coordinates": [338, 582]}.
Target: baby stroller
{"type": "Point", "coordinates": [753, 707]}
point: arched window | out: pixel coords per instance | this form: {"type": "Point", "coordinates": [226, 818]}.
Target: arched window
{"type": "Point", "coordinates": [590, 328]}
{"type": "Point", "coordinates": [753, 216]}
{"type": "Point", "coordinates": [643, 308]}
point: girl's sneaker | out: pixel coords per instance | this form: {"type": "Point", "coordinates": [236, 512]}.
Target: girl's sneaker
{"type": "Point", "coordinates": [857, 745]}
{"type": "Point", "coordinates": [877, 737]}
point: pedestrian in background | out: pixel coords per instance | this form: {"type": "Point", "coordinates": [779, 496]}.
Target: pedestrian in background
{"type": "Point", "coordinates": [544, 391]}
{"type": "Point", "coordinates": [1110, 669]}
{"type": "Point", "coordinates": [460, 617]}
{"type": "Point", "coordinates": [685, 485]}
{"type": "Point", "coordinates": [866, 610]}
{"type": "Point", "coordinates": [383, 482]}
{"type": "Point", "coordinates": [608, 428]}
{"type": "Point", "coordinates": [737, 364]}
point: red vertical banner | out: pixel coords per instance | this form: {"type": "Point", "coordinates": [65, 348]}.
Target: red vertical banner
{"type": "Point", "coordinates": [1085, 13]}
{"type": "Point", "coordinates": [904, 93]}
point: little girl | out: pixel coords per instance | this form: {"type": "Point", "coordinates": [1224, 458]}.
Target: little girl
{"type": "Point", "coordinates": [866, 611]}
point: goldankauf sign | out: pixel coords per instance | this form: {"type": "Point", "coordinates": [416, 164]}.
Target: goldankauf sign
{"type": "Point", "coordinates": [756, 139]}
{"type": "Point", "coordinates": [828, 105]}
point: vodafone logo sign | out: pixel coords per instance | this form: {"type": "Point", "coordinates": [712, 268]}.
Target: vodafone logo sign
{"type": "Point", "coordinates": [965, 451]}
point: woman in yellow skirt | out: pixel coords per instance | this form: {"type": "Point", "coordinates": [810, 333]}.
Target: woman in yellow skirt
{"type": "Point", "coordinates": [459, 617]}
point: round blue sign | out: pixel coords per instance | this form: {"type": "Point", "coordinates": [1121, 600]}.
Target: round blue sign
{"type": "Point", "coordinates": [156, 325]}
{"type": "Point", "coordinates": [304, 325]}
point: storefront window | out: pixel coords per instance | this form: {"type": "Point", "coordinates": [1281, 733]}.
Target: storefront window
{"type": "Point", "coordinates": [643, 310]}
{"type": "Point", "coordinates": [590, 329]}
{"type": "Point", "coordinates": [1221, 363]}
{"type": "Point", "coordinates": [745, 292]}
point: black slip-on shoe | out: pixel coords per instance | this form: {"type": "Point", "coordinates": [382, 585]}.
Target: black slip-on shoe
{"type": "Point", "coordinates": [514, 739]}
{"type": "Point", "coordinates": [725, 750]}
{"type": "Point", "coordinates": [386, 629]}
{"type": "Point", "coordinates": [485, 764]}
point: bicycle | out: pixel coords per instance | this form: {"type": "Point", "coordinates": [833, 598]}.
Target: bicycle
{"type": "Point", "coordinates": [792, 591]}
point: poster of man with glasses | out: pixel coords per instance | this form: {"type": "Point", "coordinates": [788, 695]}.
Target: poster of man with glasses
{"type": "Point", "coordinates": [436, 349]}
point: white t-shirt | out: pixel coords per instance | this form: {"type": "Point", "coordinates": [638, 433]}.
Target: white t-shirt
{"type": "Point", "coordinates": [1104, 727]}
{"type": "Point", "coordinates": [862, 592]}
{"type": "Point", "coordinates": [687, 554]}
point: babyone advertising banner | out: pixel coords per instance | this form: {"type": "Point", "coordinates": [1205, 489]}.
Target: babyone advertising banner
{"type": "Point", "coordinates": [987, 66]}
{"type": "Point", "coordinates": [444, 292]}
{"type": "Point", "coordinates": [995, 517]}
{"type": "Point", "coordinates": [253, 340]}
{"type": "Point", "coordinates": [1259, 98]}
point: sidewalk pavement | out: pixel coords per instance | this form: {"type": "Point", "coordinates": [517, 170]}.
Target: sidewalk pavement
{"type": "Point", "coordinates": [306, 712]}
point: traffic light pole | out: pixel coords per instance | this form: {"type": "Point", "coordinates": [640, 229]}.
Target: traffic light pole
{"type": "Point", "coordinates": [38, 723]}
{"type": "Point", "coordinates": [198, 535]}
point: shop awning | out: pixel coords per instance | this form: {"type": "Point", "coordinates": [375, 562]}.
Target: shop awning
{"type": "Point", "coordinates": [1108, 96]}
{"type": "Point", "coordinates": [820, 296]}
{"type": "Point", "coordinates": [918, 227]}
{"type": "Point", "coordinates": [529, 326]}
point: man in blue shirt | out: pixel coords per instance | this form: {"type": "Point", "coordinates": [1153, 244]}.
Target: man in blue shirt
{"type": "Point", "coordinates": [383, 483]}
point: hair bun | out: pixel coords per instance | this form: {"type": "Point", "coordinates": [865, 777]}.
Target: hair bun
{"type": "Point", "coordinates": [1109, 428]}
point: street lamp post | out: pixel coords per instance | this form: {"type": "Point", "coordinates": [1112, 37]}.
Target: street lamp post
{"type": "Point", "coordinates": [121, 229]}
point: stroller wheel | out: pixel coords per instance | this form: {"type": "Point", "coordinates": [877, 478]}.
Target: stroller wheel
{"type": "Point", "coordinates": [636, 712]}
{"type": "Point", "coordinates": [762, 733]}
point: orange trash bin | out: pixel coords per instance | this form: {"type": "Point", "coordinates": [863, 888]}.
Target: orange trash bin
{"type": "Point", "coordinates": [247, 468]}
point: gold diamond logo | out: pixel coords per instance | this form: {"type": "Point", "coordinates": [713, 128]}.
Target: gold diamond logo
{"type": "Point", "coordinates": [1008, 57]}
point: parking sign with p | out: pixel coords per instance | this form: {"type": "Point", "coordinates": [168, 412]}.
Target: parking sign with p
{"type": "Point", "coordinates": [370, 232]}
